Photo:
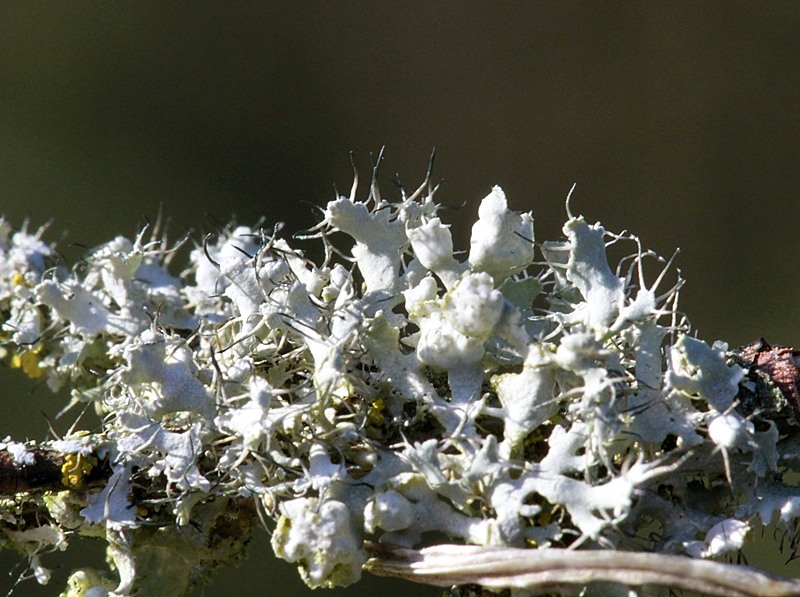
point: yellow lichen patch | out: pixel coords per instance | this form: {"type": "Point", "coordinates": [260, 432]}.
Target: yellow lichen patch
{"type": "Point", "coordinates": [75, 468]}
{"type": "Point", "coordinates": [375, 414]}
{"type": "Point", "coordinates": [28, 361]}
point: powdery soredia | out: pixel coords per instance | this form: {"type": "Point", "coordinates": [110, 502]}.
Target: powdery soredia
{"type": "Point", "coordinates": [518, 398]}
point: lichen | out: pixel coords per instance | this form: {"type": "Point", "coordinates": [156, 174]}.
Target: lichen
{"type": "Point", "coordinates": [526, 395]}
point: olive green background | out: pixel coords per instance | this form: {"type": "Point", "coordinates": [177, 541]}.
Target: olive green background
{"type": "Point", "coordinates": [678, 122]}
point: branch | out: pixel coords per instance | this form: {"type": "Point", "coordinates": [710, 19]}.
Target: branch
{"type": "Point", "coordinates": [529, 394]}
{"type": "Point", "coordinates": [50, 470]}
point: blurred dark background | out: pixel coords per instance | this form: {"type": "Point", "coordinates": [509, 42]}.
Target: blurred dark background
{"type": "Point", "coordinates": [678, 122]}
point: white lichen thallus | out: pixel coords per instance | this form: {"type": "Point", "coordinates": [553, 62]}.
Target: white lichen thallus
{"type": "Point", "coordinates": [395, 389]}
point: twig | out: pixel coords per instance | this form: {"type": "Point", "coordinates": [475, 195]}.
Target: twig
{"type": "Point", "coordinates": [531, 569]}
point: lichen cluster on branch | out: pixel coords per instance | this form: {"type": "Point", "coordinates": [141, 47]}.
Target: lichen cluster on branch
{"type": "Point", "coordinates": [388, 391]}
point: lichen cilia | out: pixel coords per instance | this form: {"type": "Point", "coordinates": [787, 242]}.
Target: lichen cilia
{"type": "Point", "coordinates": [530, 395]}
